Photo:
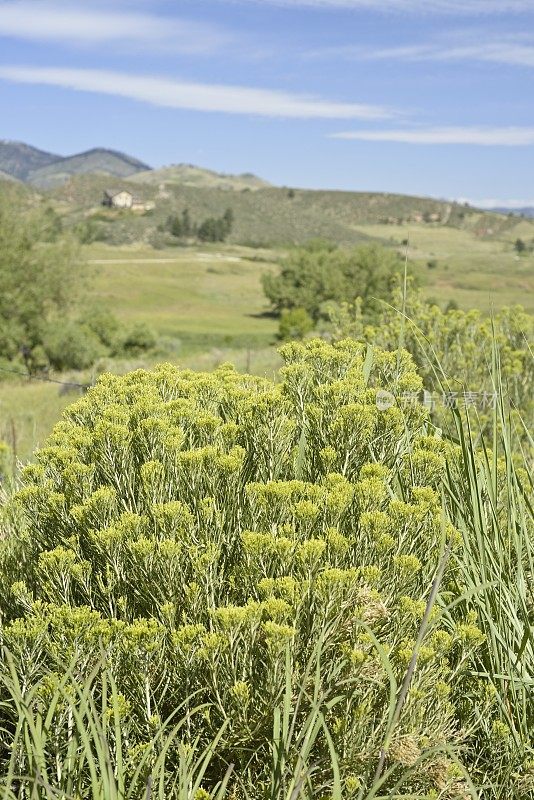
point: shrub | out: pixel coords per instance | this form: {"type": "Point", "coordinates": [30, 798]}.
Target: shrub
{"type": "Point", "coordinates": [104, 324]}
{"type": "Point", "coordinates": [139, 339]}
{"type": "Point", "coordinates": [71, 346]}
{"type": "Point", "coordinates": [454, 350]}
{"type": "Point", "coordinates": [91, 230]}
{"type": "Point", "coordinates": [294, 324]}
{"type": "Point", "coordinates": [262, 551]}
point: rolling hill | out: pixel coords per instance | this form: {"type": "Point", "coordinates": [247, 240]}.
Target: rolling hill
{"type": "Point", "coordinates": [4, 176]}
{"type": "Point", "coordinates": [269, 215]}
{"type": "Point", "coordinates": [190, 175]}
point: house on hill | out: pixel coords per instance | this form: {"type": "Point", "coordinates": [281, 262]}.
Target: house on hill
{"type": "Point", "coordinates": [118, 199]}
{"type": "Point", "coordinates": [122, 198]}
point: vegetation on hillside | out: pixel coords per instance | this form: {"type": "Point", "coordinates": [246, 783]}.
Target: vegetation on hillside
{"type": "Point", "coordinates": [211, 229]}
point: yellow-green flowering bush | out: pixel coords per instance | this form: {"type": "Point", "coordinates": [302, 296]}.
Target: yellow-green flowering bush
{"type": "Point", "coordinates": [218, 535]}
{"type": "Point", "coordinates": [457, 353]}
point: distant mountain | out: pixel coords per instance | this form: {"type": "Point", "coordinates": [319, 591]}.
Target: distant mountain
{"type": "Point", "coordinates": [46, 170]}
{"type": "Point", "coordinates": [50, 171]}
{"type": "Point", "coordinates": [189, 175]}
{"type": "Point", "coordinates": [19, 160]}
{"type": "Point", "coordinates": [528, 211]}
{"type": "Point", "coordinates": [98, 160]}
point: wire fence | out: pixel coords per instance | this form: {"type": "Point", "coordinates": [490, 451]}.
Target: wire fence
{"type": "Point", "coordinates": [45, 378]}
{"type": "Point", "coordinates": [16, 429]}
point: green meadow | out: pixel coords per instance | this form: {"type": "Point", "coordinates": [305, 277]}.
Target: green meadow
{"type": "Point", "coordinates": [476, 272]}
{"type": "Point", "coordinates": [198, 295]}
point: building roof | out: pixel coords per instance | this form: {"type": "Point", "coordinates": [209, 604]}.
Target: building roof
{"type": "Point", "coordinates": [114, 192]}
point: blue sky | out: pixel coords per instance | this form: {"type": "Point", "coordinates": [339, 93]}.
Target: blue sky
{"type": "Point", "coordinates": [430, 97]}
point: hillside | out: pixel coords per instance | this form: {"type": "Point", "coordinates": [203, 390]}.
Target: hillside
{"type": "Point", "coordinates": [4, 176]}
{"type": "Point", "coordinates": [271, 215]}
{"type": "Point", "coordinates": [190, 175]}
{"type": "Point", "coordinates": [19, 160]}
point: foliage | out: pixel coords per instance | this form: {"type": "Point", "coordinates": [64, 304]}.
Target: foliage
{"type": "Point", "coordinates": [455, 351]}
{"type": "Point", "coordinates": [40, 277]}
{"type": "Point", "coordinates": [180, 225]}
{"type": "Point", "coordinates": [492, 508]}
{"type": "Point", "coordinates": [40, 293]}
{"type": "Point", "coordinates": [53, 226]}
{"type": "Point", "coordinates": [113, 337]}
{"type": "Point", "coordinates": [313, 275]}
{"type": "Point", "coordinates": [139, 339]}
{"type": "Point", "coordinates": [69, 345]}
{"type": "Point", "coordinates": [211, 229]}
{"type": "Point", "coordinates": [95, 754]}
{"type": "Point", "coordinates": [216, 229]}
{"type": "Point", "coordinates": [90, 230]}
{"type": "Point", "coordinates": [294, 323]}
{"type": "Point", "coordinates": [262, 550]}
{"type": "Point", "coordinates": [104, 324]}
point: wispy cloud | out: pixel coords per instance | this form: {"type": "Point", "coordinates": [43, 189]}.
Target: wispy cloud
{"type": "Point", "coordinates": [512, 50]}
{"type": "Point", "coordinates": [463, 7]}
{"type": "Point", "coordinates": [69, 23]}
{"type": "Point", "coordinates": [506, 137]}
{"type": "Point", "coordinates": [170, 93]}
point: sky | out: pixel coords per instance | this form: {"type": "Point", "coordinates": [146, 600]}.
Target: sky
{"type": "Point", "coordinates": [425, 97]}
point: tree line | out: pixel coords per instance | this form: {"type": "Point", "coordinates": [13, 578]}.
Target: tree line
{"type": "Point", "coordinates": [211, 229]}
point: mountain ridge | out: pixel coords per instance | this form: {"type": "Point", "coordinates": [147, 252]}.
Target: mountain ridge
{"type": "Point", "coordinates": [19, 159]}
{"type": "Point", "coordinates": [46, 170]}
{"type": "Point", "coordinates": [517, 211]}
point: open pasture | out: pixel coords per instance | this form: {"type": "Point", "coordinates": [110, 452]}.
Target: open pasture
{"type": "Point", "coordinates": [475, 272]}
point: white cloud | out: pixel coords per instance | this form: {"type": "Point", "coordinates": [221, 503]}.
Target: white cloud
{"type": "Point", "coordinates": [508, 137]}
{"type": "Point", "coordinates": [68, 23]}
{"type": "Point", "coordinates": [511, 51]}
{"type": "Point", "coordinates": [160, 91]}
{"type": "Point", "coordinates": [463, 7]}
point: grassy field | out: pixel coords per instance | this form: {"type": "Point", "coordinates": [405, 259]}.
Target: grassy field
{"type": "Point", "coordinates": [200, 296]}
{"type": "Point", "coordinates": [213, 295]}
{"type": "Point", "coordinates": [476, 272]}
{"type": "Point", "coordinates": [28, 410]}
